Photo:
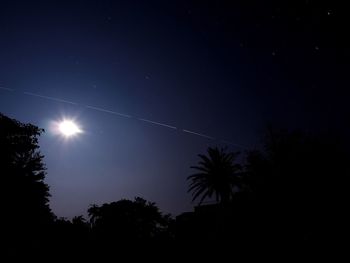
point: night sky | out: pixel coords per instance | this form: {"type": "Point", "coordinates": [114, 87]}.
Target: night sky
{"type": "Point", "coordinates": [154, 83]}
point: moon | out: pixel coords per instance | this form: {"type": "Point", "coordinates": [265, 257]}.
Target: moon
{"type": "Point", "coordinates": [68, 128]}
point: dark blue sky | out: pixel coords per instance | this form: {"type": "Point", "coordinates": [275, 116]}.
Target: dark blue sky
{"type": "Point", "coordinates": [213, 67]}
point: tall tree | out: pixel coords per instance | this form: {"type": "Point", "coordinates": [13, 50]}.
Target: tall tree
{"type": "Point", "coordinates": [218, 175]}
{"type": "Point", "coordinates": [23, 190]}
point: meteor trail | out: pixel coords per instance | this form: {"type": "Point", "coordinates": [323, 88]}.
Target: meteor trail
{"type": "Point", "coordinates": [49, 98]}
{"type": "Point", "coordinates": [158, 123]}
{"type": "Point", "coordinates": [108, 111]}
{"type": "Point", "coordinates": [124, 115]}
{"type": "Point", "coordinates": [199, 134]}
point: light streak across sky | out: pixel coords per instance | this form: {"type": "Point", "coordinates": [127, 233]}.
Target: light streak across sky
{"type": "Point", "coordinates": [199, 134]}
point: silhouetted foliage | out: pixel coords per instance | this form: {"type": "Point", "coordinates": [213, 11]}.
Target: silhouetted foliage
{"type": "Point", "coordinates": [290, 195]}
{"type": "Point", "coordinates": [296, 184]}
{"type": "Point", "coordinates": [71, 236]}
{"type": "Point", "coordinates": [218, 175]}
{"type": "Point", "coordinates": [23, 191]}
{"type": "Point", "coordinates": [128, 220]}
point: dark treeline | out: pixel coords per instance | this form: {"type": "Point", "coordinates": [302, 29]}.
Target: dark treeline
{"type": "Point", "coordinates": [288, 196]}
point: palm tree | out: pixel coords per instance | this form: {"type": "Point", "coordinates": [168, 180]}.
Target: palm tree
{"type": "Point", "coordinates": [94, 213]}
{"type": "Point", "coordinates": [217, 174]}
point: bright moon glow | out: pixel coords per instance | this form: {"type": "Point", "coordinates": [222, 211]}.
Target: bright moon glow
{"type": "Point", "coordinates": [68, 128]}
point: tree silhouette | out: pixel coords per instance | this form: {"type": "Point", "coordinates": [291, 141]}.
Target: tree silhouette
{"type": "Point", "coordinates": [297, 183]}
{"type": "Point", "coordinates": [128, 220]}
{"type": "Point", "coordinates": [218, 174]}
{"type": "Point", "coordinates": [24, 194]}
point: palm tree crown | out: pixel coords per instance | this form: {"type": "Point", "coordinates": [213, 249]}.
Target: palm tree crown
{"type": "Point", "coordinates": [217, 174]}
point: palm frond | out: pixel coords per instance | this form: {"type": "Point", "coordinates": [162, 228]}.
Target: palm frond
{"type": "Point", "coordinates": [198, 193]}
